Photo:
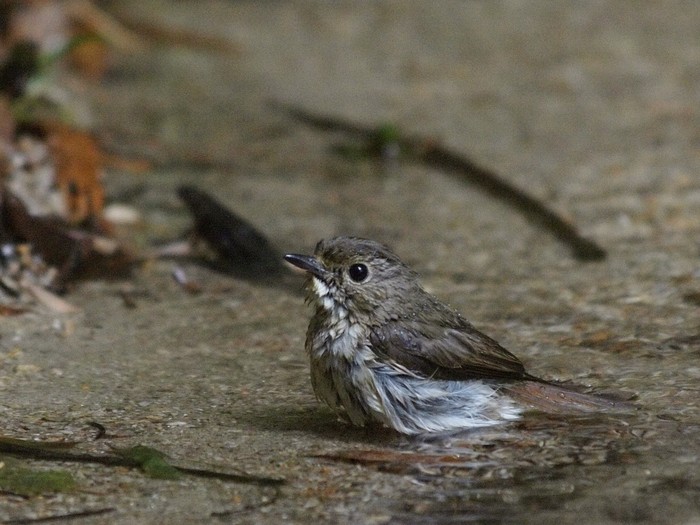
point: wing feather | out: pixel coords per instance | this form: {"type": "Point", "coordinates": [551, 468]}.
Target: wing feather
{"type": "Point", "coordinates": [455, 352]}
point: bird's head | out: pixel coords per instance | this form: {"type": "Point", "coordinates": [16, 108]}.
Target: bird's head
{"type": "Point", "coordinates": [360, 276]}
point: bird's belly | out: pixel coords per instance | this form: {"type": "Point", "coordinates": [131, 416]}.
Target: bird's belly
{"type": "Point", "coordinates": [341, 377]}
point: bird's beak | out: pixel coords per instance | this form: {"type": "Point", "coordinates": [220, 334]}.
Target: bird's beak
{"type": "Point", "coordinates": [307, 263]}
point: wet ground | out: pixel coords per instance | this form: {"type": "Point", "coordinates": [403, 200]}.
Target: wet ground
{"type": "Point", "coordinates": [592, 107]}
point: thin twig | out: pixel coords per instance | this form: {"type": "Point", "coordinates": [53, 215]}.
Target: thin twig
{"type": "Point", "coordinates": [32, 451]}
{"type": "Point", "coordinates": [431, 154]}
{"type": "Point", "coordinates": [61, 517]}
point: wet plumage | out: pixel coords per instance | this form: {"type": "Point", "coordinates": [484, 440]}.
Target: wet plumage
{"type": "Point", "coordinates": [383, 349]}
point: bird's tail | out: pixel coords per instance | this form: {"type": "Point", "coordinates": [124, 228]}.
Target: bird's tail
{"type": "Point", "coordinates": [555, 399]}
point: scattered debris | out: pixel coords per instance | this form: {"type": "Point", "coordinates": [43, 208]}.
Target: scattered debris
{"type": "Point", "coordinates": [52, 226]}
{"type": "Point", "coordinates": [65, 253]}
{"type": "Point", "coordinates": [180, 276]}
{"type": "Point", "coordinates": [50, 300]}
{"type": "Point", "coordinates": [118, 214]}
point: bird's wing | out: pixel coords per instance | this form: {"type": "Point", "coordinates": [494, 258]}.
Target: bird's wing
{"type": "Point", "coordinates": [457, 351]}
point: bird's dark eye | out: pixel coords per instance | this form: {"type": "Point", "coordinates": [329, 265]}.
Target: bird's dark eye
{"type": "Point", "coordinates": [358, 272]}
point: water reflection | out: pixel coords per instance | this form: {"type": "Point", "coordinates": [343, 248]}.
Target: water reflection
{"type": "Point", "coordinates": [638, 468]}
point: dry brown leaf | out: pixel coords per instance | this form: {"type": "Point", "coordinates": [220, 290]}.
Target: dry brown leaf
{"type": "Point", "coordinates": [78, 171]}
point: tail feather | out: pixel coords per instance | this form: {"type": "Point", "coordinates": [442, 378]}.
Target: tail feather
{"type": "Point", "coordinates": [555, 399]}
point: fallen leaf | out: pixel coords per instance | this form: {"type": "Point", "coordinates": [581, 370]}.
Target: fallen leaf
{"type": "Point", "coordinates": [78, 162]}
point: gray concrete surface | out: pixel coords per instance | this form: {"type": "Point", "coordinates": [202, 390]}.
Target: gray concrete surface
{"type": "Point", "coordinates": [591, 106]}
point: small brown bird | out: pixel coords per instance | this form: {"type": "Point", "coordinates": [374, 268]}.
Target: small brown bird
{"type": "Point", "coordinates": [383, 349]}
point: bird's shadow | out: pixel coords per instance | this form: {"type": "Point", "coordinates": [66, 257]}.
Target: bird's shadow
{"type": "Point", "coordinates": [319, 421]}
